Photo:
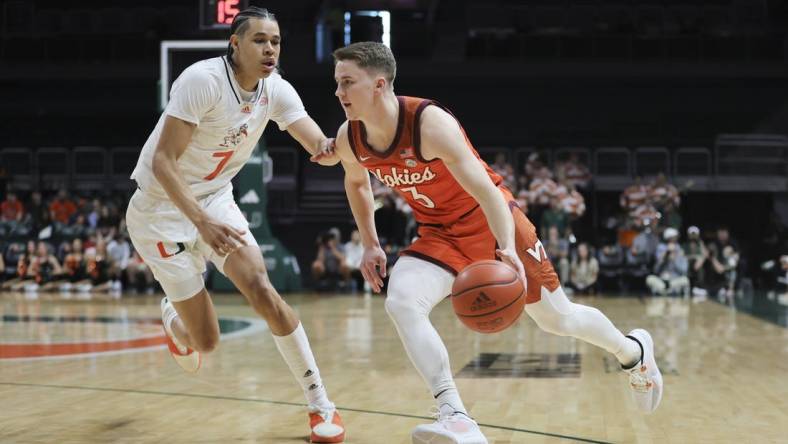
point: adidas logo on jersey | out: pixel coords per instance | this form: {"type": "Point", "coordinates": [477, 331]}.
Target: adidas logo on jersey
{"type": "Point", "coordinates": [250, 197]}
{"type": "Point", "coordinates": [482, 302]}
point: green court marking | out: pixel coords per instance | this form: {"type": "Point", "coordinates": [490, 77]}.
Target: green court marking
{"type": "Point", "coordinates": [295, 404]}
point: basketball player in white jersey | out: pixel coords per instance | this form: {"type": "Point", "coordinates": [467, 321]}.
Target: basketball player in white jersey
{"type": "Point", "coordinates": [465, 215]}
{"type": "Point", "coordinates": [183, 212]}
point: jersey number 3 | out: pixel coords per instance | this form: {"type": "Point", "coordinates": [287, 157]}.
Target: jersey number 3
{"type": "Point", "coordinates": [420, 198]}
{"type": "Point", "coordinates": [225, 156]}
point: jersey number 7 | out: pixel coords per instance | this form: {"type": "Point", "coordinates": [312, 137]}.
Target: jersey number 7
{"type": "Point", "coordinates": [225, 156]}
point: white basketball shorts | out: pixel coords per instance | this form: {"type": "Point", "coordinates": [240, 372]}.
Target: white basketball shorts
{"type": "Point", "coordinates": [171, 245]}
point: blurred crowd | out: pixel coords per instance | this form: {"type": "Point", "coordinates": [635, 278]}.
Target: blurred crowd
{"type": "Point", "coordinates": [72, 245]}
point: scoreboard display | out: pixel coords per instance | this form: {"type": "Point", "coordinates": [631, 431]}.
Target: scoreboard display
{"type": "Point", "coordinates": [219, 14]}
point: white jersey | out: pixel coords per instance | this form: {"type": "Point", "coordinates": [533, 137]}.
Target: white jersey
{"type": "Point", "coordinates": [228, 126]}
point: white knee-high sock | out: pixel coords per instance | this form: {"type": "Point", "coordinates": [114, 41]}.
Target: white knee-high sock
{"type": "Point", "coordinates": [556, 314]}
{"type": "Point", "coordinates": [298, 355]}
{"type": "Point", "coordinates": [415, 286]}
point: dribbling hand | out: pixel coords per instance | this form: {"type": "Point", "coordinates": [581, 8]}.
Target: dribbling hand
{"type": "Point", "coordinates": [373, 267]}
{"type": "Point", "coordinates": [509, 255]}
{"type": "Point", "coordinates": [222, 238]}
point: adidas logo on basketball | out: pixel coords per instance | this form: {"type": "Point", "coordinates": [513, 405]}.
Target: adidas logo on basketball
{"type": "Point", "coordinates": [482, 302]}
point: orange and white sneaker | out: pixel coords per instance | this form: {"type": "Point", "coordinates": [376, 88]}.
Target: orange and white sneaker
{"type": "Point", "coordinates": [187, 358]}
{"type": "Point", "coordinates": [452, 427]}
{"type": "Point", "coordinates": [326, 425]}
{"type": "Point", "coordinates": [645, 379]}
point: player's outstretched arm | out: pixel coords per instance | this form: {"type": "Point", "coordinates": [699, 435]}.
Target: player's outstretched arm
{"type": "Point", "coordinates": [362, 204]}
{"type": "Point", "coordinates": [311, 137]}
{"type": "Point", "coordinates": [442, 137]}
{"type": "Point", "coordinates": [175, 137]}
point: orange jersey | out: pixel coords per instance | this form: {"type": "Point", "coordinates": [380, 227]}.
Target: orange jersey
{"type": "Point", "coordinates": [427, 186]}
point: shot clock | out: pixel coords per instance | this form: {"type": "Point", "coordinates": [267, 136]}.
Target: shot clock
{"type": "Point", "coordinates": [219, 14]}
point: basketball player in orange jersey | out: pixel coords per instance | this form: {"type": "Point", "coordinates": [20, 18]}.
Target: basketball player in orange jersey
{"type": "Point", "coordinates": [418, 148]}
{"type": "Point", "coordinates": [183, 212]}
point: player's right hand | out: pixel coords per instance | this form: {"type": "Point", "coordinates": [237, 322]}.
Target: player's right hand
{"type": "Point", "coordinates": [509, 255]}
{"type": "Point", "coordinates": [222, 238]}
{"type": "Point", "coordinates": [373, 267]}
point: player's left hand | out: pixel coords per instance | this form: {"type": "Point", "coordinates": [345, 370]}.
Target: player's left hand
{"type": "Point", "coordinates": [373, 267]}
{"type": "Point", "coordinates": [325, 152]}
{"type": "Point", "coordinates": [509, 255]}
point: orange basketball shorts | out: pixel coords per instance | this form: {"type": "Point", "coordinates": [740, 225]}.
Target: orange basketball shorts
{"type": "Point", "coordinates": [469, 239]}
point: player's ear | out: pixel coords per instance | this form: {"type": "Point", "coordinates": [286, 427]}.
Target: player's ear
{"type": "Point", "coordinates": [380, 84]}
{"type": "Point", "coordinates": [234, 41]}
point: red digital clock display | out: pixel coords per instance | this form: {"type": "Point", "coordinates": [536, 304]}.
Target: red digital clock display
{"type": "Point", "coordinates": [219, 14]}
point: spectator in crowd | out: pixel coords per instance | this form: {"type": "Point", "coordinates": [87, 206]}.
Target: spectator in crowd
{"type": "Point", "coordinates": [23, 274]}
{"type": "Point", "coordinates": [354, 252]}
{"type": "Point", "coordinates": [557, 248]}
{"type": "Point", "coordinates": [640, 255]}
{"type": "Point", "coordinates": [665, 198]}
{"type": "Point", "coordinates": [670, 269]}
{"type": "Point", "coordinates": [722, 240]}
{"type": "Point", "coordinates": [46, 270]}
{"type": "Point", "coordinates": [79, 228]}
{"type": "Point", "coordinates": [2, 268]}
{"type": "Point", "coordinates": [554, 217]}
{"type": "Point", "coordinates": [724, 259]}
{"type": "Point", "coordinates": [572, 202]}
{"type": "Point", "coordinates": [697, 254]}
{"type": "Point", "coordinates": [634, 196]}
{"type": "Point", "coordinates": [109, 220]}
{"type": "Point", "coordinates": [576, 173]}
{"type": "Point", "coordinates": [643, 215]}
{"type": "Point", "coordinates": [782, 276]}
{"type": "Point", "coordinates": [119, 251]}
{"type": "Point", "coordinates": [663, 194]}
{"type": "Point", "coordinates": [584, 271]}
{"type": "Point", "coordinates": [62, 208]}
{"type": "Point", "coordinates": [11, 209]}
{"type": "Point", "coordinates": [535, 167]}
{"type": "Point", "coordinates": [138, 275]}
{"type": "Point", "coordinates": [611, 263]}
{"type": "Point", "coordinates": [329, 266]}
{"type": "Point", "coordinates": [119, 254]}
{"type": "Point", "coordinates": [644, 245]}
{"type": "Point", "coordinates": [573, 205]}
{"type": "Point", "coordinates": [74, 268]}
{"type": "Point", "coordinates": [542, 190]}
{"type": "Point", "coordinates": [94, 214]}
{"type": "Point", "coordinates": [37, 212]}
{"type": "Point", "coordinates": [100, 269]}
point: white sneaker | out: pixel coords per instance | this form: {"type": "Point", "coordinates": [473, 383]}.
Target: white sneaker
{"type": "Point", "coordinates": [452, 427]}
{"type": "Point", "coordinates": [187, 358]}
{"type": "Point", "coordinates": [645, 379]}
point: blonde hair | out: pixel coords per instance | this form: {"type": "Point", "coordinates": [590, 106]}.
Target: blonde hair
{"type": "Point", "coordinates": [371, 56]}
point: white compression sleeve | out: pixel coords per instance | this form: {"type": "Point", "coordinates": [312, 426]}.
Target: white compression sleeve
{"type": "Point", "coordinates": [414, 288]}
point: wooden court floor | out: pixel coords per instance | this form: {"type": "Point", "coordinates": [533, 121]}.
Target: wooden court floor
{"type": "Point", "coordinates": [96, 372]}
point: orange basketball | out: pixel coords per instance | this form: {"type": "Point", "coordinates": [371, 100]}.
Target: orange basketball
{"type": "Point", "coordinates": [488, 296]}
